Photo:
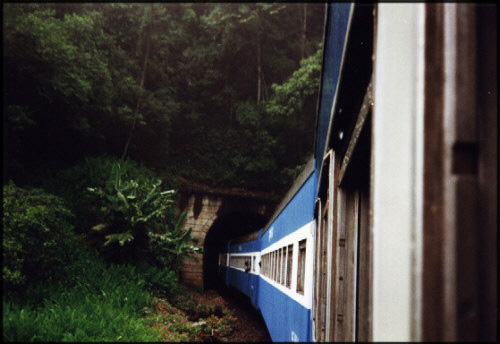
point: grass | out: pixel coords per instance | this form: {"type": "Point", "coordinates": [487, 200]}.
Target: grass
{"type": "Point", "coordinates": [100, 302]}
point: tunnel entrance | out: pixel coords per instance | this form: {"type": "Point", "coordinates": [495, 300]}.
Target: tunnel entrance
{"type": "Point", "coordinates": [224, 228]}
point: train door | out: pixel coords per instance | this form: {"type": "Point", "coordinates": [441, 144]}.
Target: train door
{"type": "Point", "coordinates": [342, 303]}
{"type": "Point", "coordinates": [325, 238]}
{"type": "Point", "coordinates": [318, 301]}
{"type": "Point", "coordinates": [342, 299]}
{"type": "Point", "coordinates": [350, 138]}
{"type": "Point", "coordinates": [352, 320]}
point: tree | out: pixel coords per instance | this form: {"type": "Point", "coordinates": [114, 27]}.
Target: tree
{"type": "Point", "coordinates": [183, 88]}
{"type": "Point", "coordinates": [292, 109]}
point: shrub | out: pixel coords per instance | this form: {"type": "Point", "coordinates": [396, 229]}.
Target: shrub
{"type": "Point", "coordinates": [72, 183]}
{"type": "Point", "coordinates": [137, 221]}
{"type": "Point", "coordinates": [163, 281]}
{"type": "Point", "coordinates": [38, 238]}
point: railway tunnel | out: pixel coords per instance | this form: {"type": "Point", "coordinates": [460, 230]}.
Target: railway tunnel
{"type": "Point", "coordinates": [216, 215]}
{"type": "Point", "coordinates": [224, 228]}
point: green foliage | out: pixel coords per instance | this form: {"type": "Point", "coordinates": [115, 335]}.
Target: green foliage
{"type": "Point", "coordinates": [193, 316]}
{"type": "Point", "coordinates": [125, 202]}
{"type": "Point", "coordinates": [195, 305]}
{"type": "Point", "coordinates": [219, 326]}
{"type": "Point", "coordinates": [139, 218]}
{"type": "Point", "coordinates": [62, 61]}
{"type": "Point", "coordinates": [97, 171]}
{"type": "Point", "coordinates": [291, 110]}
{"type": "Point", "coordinates": [71, 184]}
{"type": "Point", "coordinates": [78, 318]}
{"type": "Point", "coordinates": [160, 280]}
{"type": "Point", "coordinates": [102, 304]}
{"type": "Point", "coordinates": [290, 98]}
{"type": "Point", "coordinates": [78, 75]}
{"type": "Point", "coordinates": [172, 245]}
{"type": "Point", "coordinates": [171, 322]}
{"type": "Point", "coordinates": [38, 238]}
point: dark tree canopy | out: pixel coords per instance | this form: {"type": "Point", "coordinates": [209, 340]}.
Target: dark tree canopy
{"type": "Point", "coordinates": [219, 93]}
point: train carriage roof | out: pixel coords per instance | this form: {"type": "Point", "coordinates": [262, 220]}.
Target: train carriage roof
{"type": "Point", "coordinates": [299, 181]}
{"type": "Point", "coordinates": [336, 27]}
{"type": "Point", "coordinates": [246, 238]}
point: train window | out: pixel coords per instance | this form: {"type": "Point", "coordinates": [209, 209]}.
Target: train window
{"type": "Point", "coordinates": [266, 265]}
{"type": "Point", "coordinates": [253, 264]}
{"type": "Point", "coordinates": [280, 257]}
{"type": "Point", "coordinates": [275, 262]}
{"type": "Point", "coordinates": [283, 265]}
{"type": "Point", "coordinates": [271, 262]}
{"type": "Point", "coordinates": [263, 265]}
{"type": "Point", "coordinates": [289, 266]}
{"type": "Point", "coordinates": [274, 266]}
{"type": "Point", "coordinates": [301, 267]}
{"type": "Point", "coordinates": [278, 275]}
{"type": "Point", "coordinates": [269, 265]}
{"type": "Point", "coordinates": [239, 262]}
{"type": "Point", "coordinates": [278, 265]}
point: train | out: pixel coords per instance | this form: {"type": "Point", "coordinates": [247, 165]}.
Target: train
{"type": "Point", "coordinates": [390, 231]}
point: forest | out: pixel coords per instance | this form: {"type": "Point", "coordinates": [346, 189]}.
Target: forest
{"type": "Point", "coordinates": [107, 107]}
{"type": "Point", "coordinates": [223, 94]}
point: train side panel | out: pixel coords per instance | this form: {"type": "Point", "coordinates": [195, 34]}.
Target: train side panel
{"type": "Point", "coordinates": [285, 309]}
{"type": "Point", "coordinates": [245, 281]}
{"type": "Point", "coordinates": [297, 213]}
{"type": "Point", "coordinates": [286, 319]}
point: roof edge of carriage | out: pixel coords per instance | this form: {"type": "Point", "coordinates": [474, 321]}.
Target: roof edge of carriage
{"type": "Point", "coordinates": [297, 184]}
{"type": "Point", "coordinates": [299, 181]}
{"type": "Point", "coordinates": [246, 237]}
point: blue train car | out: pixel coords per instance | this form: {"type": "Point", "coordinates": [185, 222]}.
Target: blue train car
{"type": "Point", "coordinates": [273, 266]}
{"type": "Point", "coordinates": [285, 290]}
{"type": "Point", "coordinates": [381, 237]}
{"type": "Point", "coordinates": [243, 271]}
{"type": "Point", "coordinates": [282, 254]}
{"type": "Point", "coordinates": [223, 265]}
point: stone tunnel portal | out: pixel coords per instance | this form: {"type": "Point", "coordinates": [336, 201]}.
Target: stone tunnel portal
{"type": "Point", "coordinates": [226, 227]}
{"type": "Point", "coordinates": [216, 215]}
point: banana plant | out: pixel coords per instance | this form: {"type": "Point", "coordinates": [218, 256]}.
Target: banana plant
{"type": "Point", "coordinates": [176, 241]}
{"type": "Point", "coordinates": [125, 203]}
{"type": "Point", "coordinates": [131, 210]}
